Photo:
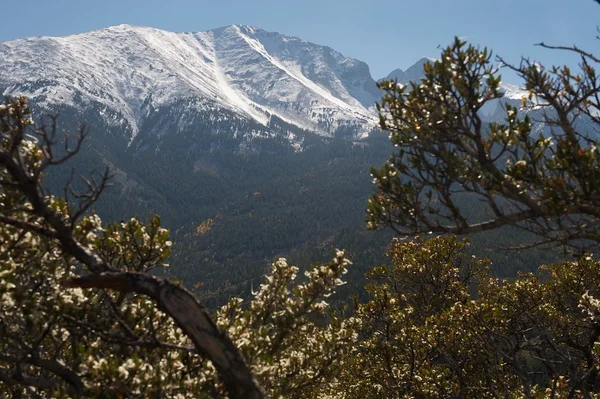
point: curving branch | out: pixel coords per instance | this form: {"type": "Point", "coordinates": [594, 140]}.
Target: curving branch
{"type": "Point", "coordinates": [10, 377]}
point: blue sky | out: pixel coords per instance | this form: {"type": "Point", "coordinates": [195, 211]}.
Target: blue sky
{"type": "Point", "coordinates": [385, 34]}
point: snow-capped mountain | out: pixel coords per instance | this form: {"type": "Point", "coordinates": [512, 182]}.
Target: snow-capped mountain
{"type": "Point", "coordinates": [129, 73]}
{"type": "Point", "coordinates": [139, 79]}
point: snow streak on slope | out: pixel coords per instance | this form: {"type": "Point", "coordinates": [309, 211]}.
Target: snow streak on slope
{"type": "Point", "coordinates": [297, 75]}
{"type": "Point", "coordinates": [130, 71]}
{"type": "Point", "coordinates": [288, 78]}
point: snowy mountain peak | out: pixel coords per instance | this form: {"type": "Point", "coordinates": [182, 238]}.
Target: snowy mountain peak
{"type": "Point", "coordinates": [413, 74]}
{"type": "Point", "coordinates": [131, 71]}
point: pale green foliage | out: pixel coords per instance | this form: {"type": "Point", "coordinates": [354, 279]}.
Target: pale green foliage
{"type": "Point", "coordinates": [284, 333]}
{"type": "Point", "coordinates": [111, 347]}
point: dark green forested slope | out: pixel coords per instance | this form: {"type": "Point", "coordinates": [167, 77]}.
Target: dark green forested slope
{"type": "Point", "coordinates": [234, 203]}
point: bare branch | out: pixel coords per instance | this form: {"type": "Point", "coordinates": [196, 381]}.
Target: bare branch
{"type": "Point", "coordinates": [95, 189]}
{"type": "Point", "coordinates": [574, 49]}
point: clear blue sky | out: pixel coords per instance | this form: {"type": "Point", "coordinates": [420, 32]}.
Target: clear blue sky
{"type": "Point", "coordinates": [385, 34]}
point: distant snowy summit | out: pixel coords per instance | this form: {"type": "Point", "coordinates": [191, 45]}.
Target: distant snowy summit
{"type": "Point", "coordinates": [412, 74]}
{"type": "Point", "coordinates": [128, 72]}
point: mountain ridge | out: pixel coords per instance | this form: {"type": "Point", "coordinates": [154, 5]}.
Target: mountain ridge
{"type": "Point", "coordinates": [132, 70]}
